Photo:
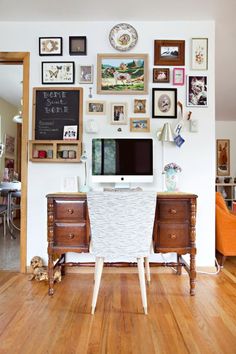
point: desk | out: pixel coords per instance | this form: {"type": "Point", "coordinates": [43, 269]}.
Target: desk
{"type": "Point", "coordinates": [174, 229]}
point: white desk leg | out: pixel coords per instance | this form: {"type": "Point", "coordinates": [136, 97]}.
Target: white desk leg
{"type": "Point", "coordinates": [98, 275]}
{"type": "Point", "coordinates": [142, 283]}
{"type": "Point", "coordinates": [147, 269]}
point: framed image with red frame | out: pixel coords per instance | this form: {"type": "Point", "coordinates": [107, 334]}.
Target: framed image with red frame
{"type": "Point", "coordinates": [178, 76]}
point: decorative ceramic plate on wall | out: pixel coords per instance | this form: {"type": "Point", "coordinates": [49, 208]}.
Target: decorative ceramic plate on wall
{"type": "Point", "coordinates": [123, 37]}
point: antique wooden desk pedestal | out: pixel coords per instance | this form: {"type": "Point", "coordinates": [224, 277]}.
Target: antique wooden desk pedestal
{"type": "Point", "coordinates": [174, 229]}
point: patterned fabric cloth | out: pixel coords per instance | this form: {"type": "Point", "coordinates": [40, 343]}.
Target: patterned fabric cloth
{"type": "Point", "coordinates": [121, 223]}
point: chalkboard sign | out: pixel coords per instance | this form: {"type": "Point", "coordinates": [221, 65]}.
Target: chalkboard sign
{"type": "Point", "coordinates": [54, 108]}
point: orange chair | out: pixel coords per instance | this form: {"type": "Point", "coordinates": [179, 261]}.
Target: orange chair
{"type": "Point", "coordinates": [225, 230]}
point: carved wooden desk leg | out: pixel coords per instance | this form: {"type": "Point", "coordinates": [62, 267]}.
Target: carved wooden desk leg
{"type": "Point", "coordinates": [192, 274]}
{"type": "Point", "coordinates": [50, 247]}
{"type": "Point", "coordinates": [179, 267]}
{"type": "Point", "coordinates": [50, 275]}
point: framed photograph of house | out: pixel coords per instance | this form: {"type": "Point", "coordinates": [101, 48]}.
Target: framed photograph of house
{"type": "Point", "coordinates": [197, 95]}
{"type": "Point", "coordinates": [161, 75]}
{"type": "Point", "coordinates": [140, 105]}
{"type": "Point", "coordinates": [169, 52]}
{"type": "Point", "coordinates": [140, 125]}
{"type": "Point", "coordinates": [96, 107]}
{"type": "Point", "coordinates": [119, 113]}
{"type": "Point", "coordinates": [124, 74]}
{"type": "Point", "coordinates": [178, 76]}
{"type": "Point", "coordinates": [223, 157]}
{"type": "Point", "coordinates": [85, 74]}
{"type": "Point", "coordinates": [199, 53]}
{"type": "Point", "coordinates": [78, 45]}
{"type": "Point", "coordinates": [49, 46]}
{"type": "Point", "coordinates": [58, 72]}
{"type": "Point", "coordinates": [164, 103]}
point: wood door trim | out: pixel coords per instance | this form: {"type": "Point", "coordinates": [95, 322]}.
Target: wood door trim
{"type": "Point", "coordinates": [22, 58]}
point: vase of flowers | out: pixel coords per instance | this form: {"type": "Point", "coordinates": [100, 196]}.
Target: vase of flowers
{"type": "Point", "coordinates": [171, 171]}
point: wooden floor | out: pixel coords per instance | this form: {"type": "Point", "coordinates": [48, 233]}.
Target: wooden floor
{"type": "Point", "coordinates": [33, 323]}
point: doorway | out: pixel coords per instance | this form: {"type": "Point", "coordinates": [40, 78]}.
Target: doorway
{"type": "Point", "coordinates": [22, 58]}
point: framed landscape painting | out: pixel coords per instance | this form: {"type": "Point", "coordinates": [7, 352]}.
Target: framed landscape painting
{"type": "Point", "coordinates": [169, 52]}
{"type": "Point", "coordinates": [124, 74]}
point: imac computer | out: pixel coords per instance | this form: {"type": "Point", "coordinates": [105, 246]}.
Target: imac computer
{"type": "Point", "coordinates": [122, 160]}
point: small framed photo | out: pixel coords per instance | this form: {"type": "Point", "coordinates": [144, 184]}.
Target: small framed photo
{"type": "Point", "coordinates": [161, 75]}
{"type": "Point", "coordinates": [96, 107]}
{"type": "Point", "coordinates": [223, 157]}
{"type": "Point", "coordinates": [70, 132]}
{"type": "Point", "coordinates": [169, 52]}
{"type": "Point", "coordinates": [164, 103]}
{"type": "Point", "coordinates": [199, 53]}
{"type": "Point", "coordinates": [58, 72]}
{"type": "Point", "coordinates": [140, 125]}
{"type": "Point", "coordinates": [140, 106]}
{"type": "Point", "coordinates": [50, 46]}
{"type": "Point", "coordinates": [197, 95]}
{"type": "Point", "coordinates": [85, 74]}
{"type": "Point", "coordinates": [178, 76]}
{"type": "Point", "coordinates": [119, 113]}
{"type": "Point", "coordinates": [78, 45]}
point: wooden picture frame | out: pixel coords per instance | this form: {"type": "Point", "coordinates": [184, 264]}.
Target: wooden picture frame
{"type": "Point", "coordinates": [178, 76]}
{"type": "Point", "coordinates": [55, 72]}
{"type": "Point", "coordinates": [161, 75]}
{"type": "Point", "coordinates": [164, 103]}
{"type": "Point", "coordinates": [119, 113]}
{"type": "Point", "coordinates": [122, 74]}
{"type": "Point", "coordinates": [140, 125]}
{"type": "Point", "coordinates": [50, 46]}
{"type": "Point", "coordinates": [223, 157]}
{"type": "Point", "coordinates": [140, 105]}
{"type": "Point", "coordinates": [96, 107]}
{"type": "Point", "coordinates": [169, 52]}
{"type": "Point", "coordinates": [199, 54]}
{"type": "Point", "coordinates": [78, 45]}
{"type": "Point", "coordinates": [197, 91]}
{"type": "Point", "coordinates": [85, 74]}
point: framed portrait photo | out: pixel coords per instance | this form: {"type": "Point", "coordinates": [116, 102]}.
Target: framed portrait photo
{"type": "Point", "coordinates": [164, 103]}
{"type": "Point", "coordinates": [96, 107]}
{"type": "Point", "coordinates": [49, 46]}
{"type": "Point", "coordinates": [161, 75]}
{"type": "Point", "coordinates": [178, 76]}
{"type": "Point", "coordinates": [197, 95]}
{"type": "Point", "coordinates": [199, 53]}
{"type": "Point", "coordinates": [140, 125]}
{"type": "Point", "coordinates": [140, 105]}
{"type": "Point", "coordinates": [169, 52]}
{"type": "Point", "coordinates": [223, 157]}
{"type": "Point", "coordinates": [119, 113]}
{"type": "Point", "coordinates": [58, 72]}
{"type": "Point", "coordinates": [122, 74]}
{"type": "Point", "coordinates": [85, 74]}
{"type": "Point", "coordinates": [78, 45]}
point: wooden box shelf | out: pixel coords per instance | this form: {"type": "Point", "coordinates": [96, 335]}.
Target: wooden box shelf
{"type": "Point", "coordinates": [55, 150]}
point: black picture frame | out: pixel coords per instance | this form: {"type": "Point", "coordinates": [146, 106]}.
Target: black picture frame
{"type": "Point", "coordinates": [58, 72]}
{"type": "Point", "coordinates": [78, 45]}
{"type": "Point", "coordinates": [164, 103]}
{"type": "Point", "coordinates": [50, 46]}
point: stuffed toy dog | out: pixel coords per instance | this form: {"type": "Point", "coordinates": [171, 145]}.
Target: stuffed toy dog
{"type": "Point", "coordinates": [39, 272]}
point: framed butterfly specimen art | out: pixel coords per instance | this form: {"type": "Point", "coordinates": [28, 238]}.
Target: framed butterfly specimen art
{"type": "Point", "coordinates": [58, 72]}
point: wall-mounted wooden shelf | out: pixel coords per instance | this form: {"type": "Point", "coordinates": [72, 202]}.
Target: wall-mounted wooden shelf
{"type": "Point", "coordinates": [55, 150]}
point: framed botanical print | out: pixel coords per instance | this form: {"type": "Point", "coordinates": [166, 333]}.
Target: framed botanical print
{"type": "Point", "coordinates": [169, 52]}
{"type": "Point", "coordinates": [199, 53]}
{"type": "Point", "coordinates": [58, 72]}
{"type": "Point", "coordinates": [223, 157]}
{"type": "Point", "coordinates": [164, 103]}
{"type": "Point", "coordinates": [49, 46]}
{"type": "Point", "coordinates": [197, 95]}
{"type": "Point", "coordinates": [140, 125]}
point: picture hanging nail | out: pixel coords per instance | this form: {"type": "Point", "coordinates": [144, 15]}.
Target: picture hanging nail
{"type": "Point", "coordinates": [179, 140]}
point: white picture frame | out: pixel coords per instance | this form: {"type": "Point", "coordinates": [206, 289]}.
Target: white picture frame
{"type": "Point", "coordinates": [86, 74]}
{"type": "Point", "coordinates": [199, 54]}
{"type": "Point", "coordinates": [197, 91]}
{"type": "Point", "coordinates": [95, 107]}
{"type": "Point", "coordinates": [119, 113]}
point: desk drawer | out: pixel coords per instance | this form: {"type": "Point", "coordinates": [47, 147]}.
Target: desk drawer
{"type": "Point", "coordinates": [72, 210]}
{"type": "Point", "coordinates": [70, 234]}
{"type": "Point", "coordinates": [172, 210]}
{"type": "Point", "coordinates": [171, 236]}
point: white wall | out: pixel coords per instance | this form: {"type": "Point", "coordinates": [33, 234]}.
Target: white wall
{"type": "Point", "coordinates": [227, 130]}
{"type": "Point", "coordinates": [196, 156]}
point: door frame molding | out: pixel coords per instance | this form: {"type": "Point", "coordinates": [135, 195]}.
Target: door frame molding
{"type": "Point", "coordinates": [22, 58]}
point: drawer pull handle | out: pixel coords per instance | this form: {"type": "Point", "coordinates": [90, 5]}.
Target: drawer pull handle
{"type": "Point", "coordinates": [71, 236]}
{"type": "Point", "coordinates": [70, 211]}
{"type": "Point", "coordinates": [172, 211]}
{"type": "Point", "coordinates": [172, 236]}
